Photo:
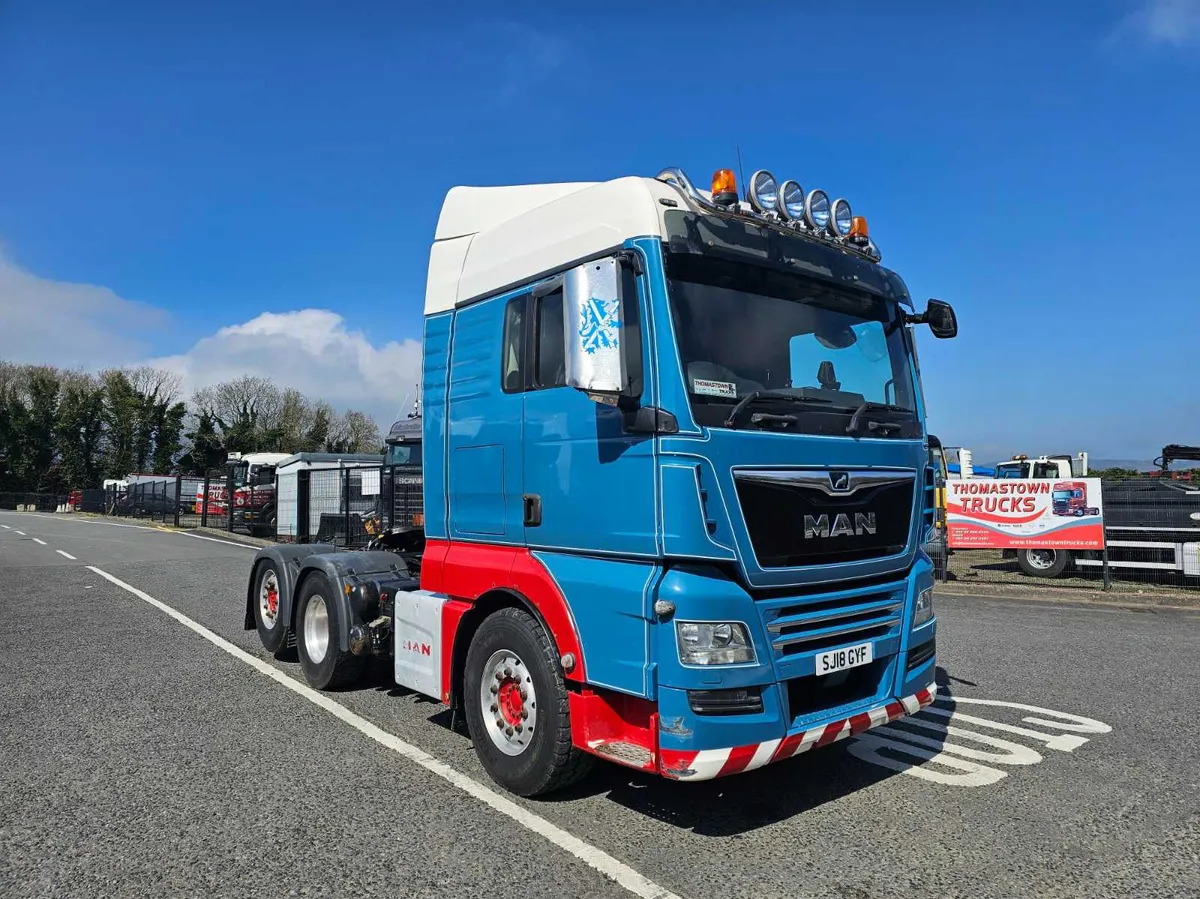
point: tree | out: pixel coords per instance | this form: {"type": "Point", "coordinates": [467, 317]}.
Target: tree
{"type": "Point", "coordinates": [122, 411]}
{"type": "Point", "coordinates": [317, 437]}
{"type": "Point", "coordinates": [168, 436]}
{"type": "Point", "coordinates": [362, 434]}
{"type": "Point", "coordinates": [207, 453]}
{"type": "Point", "coordinates": [240, 408]}
{"type": "Point", "coordinates": [61, 430]}
{"type": "Point", "coordinates": [80, 430]}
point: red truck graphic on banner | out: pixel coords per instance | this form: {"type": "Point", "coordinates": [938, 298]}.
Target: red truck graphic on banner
{"type": "Point", "coordinates": [1007, 513]}
{"type": "Point", "coordinates": [1070, 498]}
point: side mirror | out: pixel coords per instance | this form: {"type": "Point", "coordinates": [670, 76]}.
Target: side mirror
{"type": "Point", "coordinates": [592, 326]}
{"type": "Point", "coordinates": [941, 319]}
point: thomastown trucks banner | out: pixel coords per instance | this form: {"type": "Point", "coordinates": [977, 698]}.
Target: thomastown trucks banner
{"type": "Point", "coordinates": [1009, 513]}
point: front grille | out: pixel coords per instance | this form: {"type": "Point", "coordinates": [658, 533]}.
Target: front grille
{"type": "Point", "coordinates": [848, 617]}
{"type": "Point", "coordinates": [407, 495]}
{"type": "Point", "coordinates": [797, 517]}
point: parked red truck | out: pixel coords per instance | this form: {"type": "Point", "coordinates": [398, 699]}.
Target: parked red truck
{"type": "Point", "coordinates": [1070, 498]}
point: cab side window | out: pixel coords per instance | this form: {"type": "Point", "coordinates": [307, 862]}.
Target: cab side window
{"type": "Point", "coordinates": [511, 370]}
{"type": "Point", "coordinates": [551, 350]}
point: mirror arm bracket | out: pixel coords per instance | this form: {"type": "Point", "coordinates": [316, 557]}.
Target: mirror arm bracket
{"type": "Point", "coordinates": [632, 260]}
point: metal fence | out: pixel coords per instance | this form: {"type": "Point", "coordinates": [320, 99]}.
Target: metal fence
{"type": "Point", "coordinates": [1152, 537]}
{"type": "Point", "coordinates": [327, 506]}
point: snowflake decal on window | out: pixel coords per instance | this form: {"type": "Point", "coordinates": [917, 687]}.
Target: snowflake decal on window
{"type": "Point", "coordinates": [598, 325]}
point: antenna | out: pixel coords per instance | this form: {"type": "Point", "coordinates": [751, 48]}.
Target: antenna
{"type": "Point", "coordinates": [741, 171]}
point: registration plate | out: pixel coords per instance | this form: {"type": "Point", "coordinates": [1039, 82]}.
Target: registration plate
{"type": "Point", "coordinates": [841, 659]}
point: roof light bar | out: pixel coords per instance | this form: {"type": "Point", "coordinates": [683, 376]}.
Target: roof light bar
{"type": "Point", "coordinates": [785, 203]}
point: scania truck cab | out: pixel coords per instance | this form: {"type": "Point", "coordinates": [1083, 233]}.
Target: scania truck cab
{"type": "Point", "coordinates": [676, 485]}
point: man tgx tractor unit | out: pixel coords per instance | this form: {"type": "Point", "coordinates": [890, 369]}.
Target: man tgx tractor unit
{"type": "Point", "coordinates": [675, 486]}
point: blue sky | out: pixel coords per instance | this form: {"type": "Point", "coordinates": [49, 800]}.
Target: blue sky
{"type": "Point", "coordinates": [199, 167]}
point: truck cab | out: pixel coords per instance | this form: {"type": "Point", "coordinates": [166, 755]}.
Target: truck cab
{"type": "Point", "coordinates": [677, 485]}
{"type": "Point", "coordinates": [251, 485]}
{"type": "Point", "coordinates": [1060, 466]}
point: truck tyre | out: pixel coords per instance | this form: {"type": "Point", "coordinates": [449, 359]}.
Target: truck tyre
{"type": "Point", "coordinates": [318, 628]}
{"type": "Point", "coordinates": [517, 709]}
{"type": "Point", "coordinates": [272, 630]}
{"type": "Point", "coordinates": [267, 522]}
{"type": "Point", "coordinates": [1043, 562]}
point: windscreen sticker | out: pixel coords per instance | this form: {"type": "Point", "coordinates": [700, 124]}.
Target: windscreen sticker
{"type": "Point", "coordinates": [714, 388]}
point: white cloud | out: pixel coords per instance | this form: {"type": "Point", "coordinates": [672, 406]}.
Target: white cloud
{"type": "Point", "coordinates": [67, 324]}
{"type": "Point", "coordinates": [313, 351]}
{"type": "Point", "coordinates": [84, 326]}
{"type": "Point", "coordinates": [1172, 22]}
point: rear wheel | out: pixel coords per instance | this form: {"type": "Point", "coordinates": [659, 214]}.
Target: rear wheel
{"type": "Point", "coordinates": [318, 637]}
{"type": "Point", "coordinates": [1043, 562]}
{"type": "Point", "coordinates": [272, 631]}
{"type": "Point", "coordinates": [517, 709]}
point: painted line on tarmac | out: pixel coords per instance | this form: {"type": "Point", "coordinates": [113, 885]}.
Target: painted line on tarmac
{"type": "Point", "coordinates": [66, 555]}
{"type": "Point", "coordinates": [218, 540]}
{"type": "Point", "coordinates": [6, 527]}
{"type": "Point", "coordinates": [36, 540]}
{"type": "Point", "coordinates": [595, 858]}
{"type": "Point", "coordinates": [22, 533]}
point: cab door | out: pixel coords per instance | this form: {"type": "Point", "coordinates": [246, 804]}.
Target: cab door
{"type": "Point", "coordinates": [588, 480]}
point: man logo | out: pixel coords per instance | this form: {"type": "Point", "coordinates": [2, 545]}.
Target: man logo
{"type": "Point", "coordinates": [839, 480]}
{"type": "Point", "coordinates": [819, 526]}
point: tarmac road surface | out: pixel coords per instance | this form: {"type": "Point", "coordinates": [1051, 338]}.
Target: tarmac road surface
{"type": "Point", "coordinates": [150, 747]}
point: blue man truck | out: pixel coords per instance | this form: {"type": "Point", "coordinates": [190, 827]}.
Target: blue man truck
{"type": "Point", "coordinates": [676, 484]}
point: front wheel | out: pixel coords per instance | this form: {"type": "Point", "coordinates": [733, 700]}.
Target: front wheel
{"type": "Point", "coordinates": [517, 709]}
{"type": "Point", "coordinates": [1043, 562]}
{"type": "Point", "coordinates": [318, 638]}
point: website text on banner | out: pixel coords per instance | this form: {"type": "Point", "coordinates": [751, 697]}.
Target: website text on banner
{"type": "Point", "coordinates": [1025, 514]}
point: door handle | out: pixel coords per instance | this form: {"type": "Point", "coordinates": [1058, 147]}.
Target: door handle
{"type": "Point", "coordinates": [533, 510]}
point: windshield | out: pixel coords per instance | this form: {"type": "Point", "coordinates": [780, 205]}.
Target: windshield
{"type": "Point", "coordinates": [821, 349]}
{"type": "Point", "coordinates": [1011, 470]}
{"type": "Point", "coordinates": [404, 454]}
{"type": "Point", "coordinates": [1063, 494]}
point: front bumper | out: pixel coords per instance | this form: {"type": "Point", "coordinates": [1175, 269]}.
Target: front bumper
{"type": "Point", "coordinates": [706, 764]}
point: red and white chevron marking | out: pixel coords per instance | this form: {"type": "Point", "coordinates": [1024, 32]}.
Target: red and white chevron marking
{"type": "Point", "coordinates": [705, 764]}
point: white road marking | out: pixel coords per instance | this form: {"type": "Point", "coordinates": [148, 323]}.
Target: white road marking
{"type": "Point", "coordinates": [36, 540]}
{"type": "Point", "coordinates": [6, 527]}
{"type": "Point", "coordinates": [22, 533]}
{"type": "Point", "coordinates": [591, 856]}
{"type": "Point", "coordinates": [898, 748]}
{"type": "Point", "coordinates": [218, 540]}
{"type": "Point", "coordinates": [66, 555]}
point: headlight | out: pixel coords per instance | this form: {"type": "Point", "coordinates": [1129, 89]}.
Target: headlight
{"type": "Point", "coordinates": [764, 191]}
{"type": "Point", "coordinates": [713, 643]}
{"type": "Point", "coordinates": [924, 610]}
{"type": "Point", "coordinates": [816, 209]}
{"type": "Point", "coordinates": [841, 218]}
{"type": "Point", "coordinates": [791, 201]}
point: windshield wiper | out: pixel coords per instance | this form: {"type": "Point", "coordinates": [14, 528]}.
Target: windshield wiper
{"type": "Point", "coordinates": [882, 426]}
{"type": "Point", "coordinates": [744, 402]}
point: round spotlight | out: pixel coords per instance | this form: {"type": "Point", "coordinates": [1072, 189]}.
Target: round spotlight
{"type": "Point", "coordinates": [764, 191]}
{"type": "Point", "coordinates": [816, 209]}
{"type": "Point", "coordinates": [841, 218]}
{"type": "Point", "coordinates": [791, 201]}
